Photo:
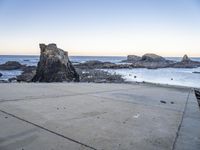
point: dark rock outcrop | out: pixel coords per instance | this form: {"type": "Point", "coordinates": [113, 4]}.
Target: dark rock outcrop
{"type": "Point", "coordinates": [185, 59]}
{"type": "Point", "coordinates": [27, 74]}
{"type": "Point", "coordinates": [149, 60]}
{"type": "Point", "coordinates": [152, 61]}
{"type": "Point", "coordinates": [132, 59]}
{"type": "Point", "coordinates": [197, 72]}
{"type": "Point", "coordinates": [186, 62]}
{"type": "Point", "coordinates": [98, 76]}
{"type": "Point", "coordinates": [1, 74]}
{"type": "Point", "coordinates": [54, 65]}
{"type": "Point", "coordinates": [94, 64]}
{"type": "Point", "coordinates": [152, 58]}
{"type": "Point", "coordinates": [11, 65]}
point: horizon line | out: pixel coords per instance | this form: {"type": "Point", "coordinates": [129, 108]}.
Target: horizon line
{"type": "Point", "coordinates": [97, 55]}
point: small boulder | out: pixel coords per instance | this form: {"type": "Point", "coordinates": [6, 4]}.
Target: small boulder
{"type": "Point", "coordinates": [54, 65]}
{"type": "Point", "coordinates": [1, 74]}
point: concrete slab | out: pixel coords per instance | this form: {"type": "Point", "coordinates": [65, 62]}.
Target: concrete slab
{"type": "Point", "coordinates": [189, 134]}
{"type": "Point", "coordinates": [28, 91]}
{"type": "Point", "coordinates": [96, 121]}
{"type": "Point", "coordinates": [106, 116]}
{"type": "Point", "coordinates": [175, 98]}
{"type": "Point", "coordinates": [19, 135]}
{"type": "Point", "coordinates": [18, 91]}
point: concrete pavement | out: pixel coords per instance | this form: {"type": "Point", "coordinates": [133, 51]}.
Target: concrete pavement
{"type": "Point", "coordinates": [88, 116]}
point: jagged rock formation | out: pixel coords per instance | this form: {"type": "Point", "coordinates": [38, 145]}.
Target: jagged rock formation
{"type": "Point", "coordinates": [186, 62]}
{"type": "Point", "coordinates": [11, 65]}
{"type": "Point", "coordinates": [54, 65]}
{"type": "Point", "coordinates": [185, 59]}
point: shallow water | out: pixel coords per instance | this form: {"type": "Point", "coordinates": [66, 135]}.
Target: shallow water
{"type": "Point", "coordinates": [170, 76]}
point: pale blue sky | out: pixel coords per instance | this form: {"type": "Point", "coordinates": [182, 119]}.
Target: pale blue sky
{"type": "Point", "coordinates": [101, 27]}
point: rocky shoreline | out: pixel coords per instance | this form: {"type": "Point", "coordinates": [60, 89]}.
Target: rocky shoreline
{"type": "Point", "coordinates": [55, 66]}
{"type": "Point", "coordinates": [149, 61]}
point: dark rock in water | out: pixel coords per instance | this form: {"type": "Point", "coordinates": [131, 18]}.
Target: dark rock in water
{"type": "Point", "coordinates": [1, 74]}
{"type": "Point", "coordinates": [196, 72]}
{"type": "Point", "coordinates": [152, 58]}
{"type": "Point", "coordinates": [152, 61]}
{"type": "Point", "coordinates": [149, 61]}
{"type": "Point", "coordinates": [11, 65]}
{"type": "Point", "coordinates": [152, 65]}
{"type": "Point", "coordinates": [186, 63]}
{"type": "Point", "coordinates": [54, 65]}
{"type": "Point", "coordinates": [132, 59]}
{"type": "Point", "coordinates": [185, 59]}
{"type": "Point", "coordinates": [27, 75]}
{"type": "Point", "coordinates": [95, 64]}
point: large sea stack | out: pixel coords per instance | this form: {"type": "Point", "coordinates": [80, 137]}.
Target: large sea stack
{"type": "Point", "coordinates": [54, 65]}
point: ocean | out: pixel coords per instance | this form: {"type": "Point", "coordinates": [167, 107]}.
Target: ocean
{"type": "Point", "coordinates": [170, 76]}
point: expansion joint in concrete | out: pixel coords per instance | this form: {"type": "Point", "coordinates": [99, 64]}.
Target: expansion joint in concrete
{"type": "Point", "coordinates": [179, 127]}
{"type": "Point", "coordinates": [50, 131]}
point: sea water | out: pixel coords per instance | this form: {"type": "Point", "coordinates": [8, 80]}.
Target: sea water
{"type": "Point", "coordinates": [171, 76]}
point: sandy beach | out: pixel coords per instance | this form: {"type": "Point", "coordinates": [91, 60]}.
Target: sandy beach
{"type": "Point", "coordinates": [98, 116]}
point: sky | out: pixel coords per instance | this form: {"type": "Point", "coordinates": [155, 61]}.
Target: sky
{"type": "Point", "coordinates": [101, 27]}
